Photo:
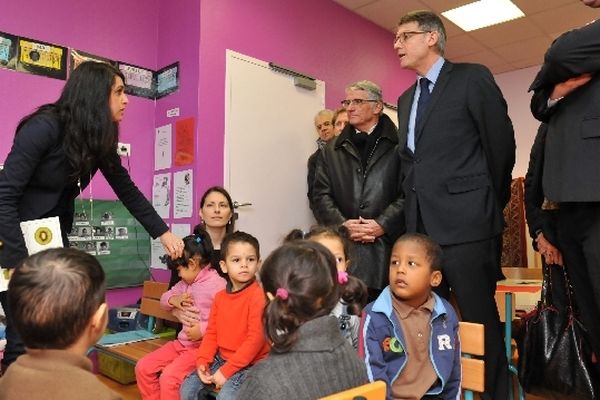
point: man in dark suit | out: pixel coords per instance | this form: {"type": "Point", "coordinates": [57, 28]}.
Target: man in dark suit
{"type": "Point", "coordinates": [567, 97]}
{"type": "Point", "coordinates": [457, 148]}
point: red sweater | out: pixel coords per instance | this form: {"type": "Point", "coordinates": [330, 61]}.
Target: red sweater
{"type": "Point", "coordinates": [235, 330]}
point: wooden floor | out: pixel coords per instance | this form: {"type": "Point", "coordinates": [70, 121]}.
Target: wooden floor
{"type": "Point", "coordinates": [128, 392]}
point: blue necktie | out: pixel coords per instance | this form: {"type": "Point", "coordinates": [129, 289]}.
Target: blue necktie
{"type": "Point", "coordinates": [421, 105]}
{"type": "Point", "coordinates": [423, 99]}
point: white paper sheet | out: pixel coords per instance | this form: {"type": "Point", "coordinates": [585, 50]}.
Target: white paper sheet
{"type": "Point", "coordinates": [182, 192]}
{"type": "Point", "coordinates": [162, 147]}
{"type": "Point", "coordinates": [161, 194]}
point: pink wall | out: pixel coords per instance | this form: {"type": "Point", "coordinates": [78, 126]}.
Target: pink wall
{"type": "Point", "coordinates": [119, 30]}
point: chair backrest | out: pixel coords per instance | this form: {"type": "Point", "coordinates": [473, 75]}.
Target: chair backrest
{"type": "Point", "coordinates": [370, 391]}
{"type": "Point", "coordinates": [151, 301]}
{"type": "Point", "coordinates": [472, 338]}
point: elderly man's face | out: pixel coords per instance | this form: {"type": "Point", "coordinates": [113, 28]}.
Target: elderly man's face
{"type": "Point", "coordinates": [324, 127]}
{"type": "Point", "coordinates": [362, 116]}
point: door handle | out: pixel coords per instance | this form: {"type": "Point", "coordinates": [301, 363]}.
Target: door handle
{"type": "Point", "coordinates": [237, 204]}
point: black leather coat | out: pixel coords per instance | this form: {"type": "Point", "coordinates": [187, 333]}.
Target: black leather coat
{"type": "Point", "coordinates": [343, 190]}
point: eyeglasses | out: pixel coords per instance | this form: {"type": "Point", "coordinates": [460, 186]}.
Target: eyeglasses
{"type": "Point", "coordinates": [404, 36]}
{"type": "Point", "coordinates": [356, 102]}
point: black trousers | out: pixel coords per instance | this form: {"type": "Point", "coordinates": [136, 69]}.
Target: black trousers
{"type": "Point", "coordinates": [579, 241]}
{"type": "Point", "coordinates": [470, 270]}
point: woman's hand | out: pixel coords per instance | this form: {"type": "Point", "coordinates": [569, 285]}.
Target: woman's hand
{"type": "Point", "coordinates": [172, 244]}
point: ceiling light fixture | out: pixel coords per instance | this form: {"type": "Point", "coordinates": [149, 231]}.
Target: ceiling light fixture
{"type": "Point", "coordinates": [483, 13]}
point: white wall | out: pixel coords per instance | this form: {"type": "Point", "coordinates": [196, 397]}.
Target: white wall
{"type": "Point", "coordinates": [514, 86]}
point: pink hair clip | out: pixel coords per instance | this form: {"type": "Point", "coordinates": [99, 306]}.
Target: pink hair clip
{"type": "Point", "coordinates": [342, 277]}
{"type": "Point", "coordinates": [282, 294]}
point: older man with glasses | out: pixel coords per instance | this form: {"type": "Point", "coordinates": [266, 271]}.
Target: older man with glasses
{"type": "Point", "coordinates": [357, 184]}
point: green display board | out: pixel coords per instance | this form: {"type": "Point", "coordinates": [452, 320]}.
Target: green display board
{"type": "Point", "coordinates": [105, 229]}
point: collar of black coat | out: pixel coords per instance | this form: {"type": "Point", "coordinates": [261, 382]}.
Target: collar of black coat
{"type": "Point", "coordinates": [388, 131]}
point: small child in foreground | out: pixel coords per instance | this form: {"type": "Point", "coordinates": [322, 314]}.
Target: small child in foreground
{"type": "Point", "coordinates": [56, 299]}
{"type": "Point", "coordinates": [309, 359]}
{"type": "Point", "coordinates": [234, 339]}
{"type": "Point", "coordinates": [410, 334]}
{"type": "Point", "coordinates": [354, 291]}
{"type": "Point", "coordinates": [160, 373]}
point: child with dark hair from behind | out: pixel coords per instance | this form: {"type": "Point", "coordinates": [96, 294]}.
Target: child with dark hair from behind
{"type": "Point", "coordinates": [309, 357]}
{"type": "Point", "coordinates": [410, 334]}
{"type": "Point", "coordinates": [354, 291]}
{"type": "Point", "coordinates": [160, 373]}
{"type": "Point", "coordinates": [61, 313]}
{"type": "Point", "coordinates": [234, 339]}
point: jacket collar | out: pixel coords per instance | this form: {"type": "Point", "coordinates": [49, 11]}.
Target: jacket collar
{"type": "Point", "coordinates": [388, 132]}
{"type": "Point", "coordinates": [383, 304]}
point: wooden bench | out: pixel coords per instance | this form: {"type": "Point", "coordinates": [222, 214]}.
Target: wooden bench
{"type": "Point", "coordinates": [130, 353]}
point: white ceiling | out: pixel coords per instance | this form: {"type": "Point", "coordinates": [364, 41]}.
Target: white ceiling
{"type": "Point", "coordinates": [504, 47]}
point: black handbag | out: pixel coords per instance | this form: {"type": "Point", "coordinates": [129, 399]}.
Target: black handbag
{"type": "Point", "coordinates": [555, 356]}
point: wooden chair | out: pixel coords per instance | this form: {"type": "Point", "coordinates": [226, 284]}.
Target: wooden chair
{"type": "Point", "coordinates": [370, 391]}
{"type": "Point", "coordinates": [473, 370]}
{"type": "Point", "coordinates": [150, 306]}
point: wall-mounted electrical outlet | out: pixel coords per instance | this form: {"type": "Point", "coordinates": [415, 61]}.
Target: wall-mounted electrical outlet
{"type": "Point", "coordinates": [124, 149]}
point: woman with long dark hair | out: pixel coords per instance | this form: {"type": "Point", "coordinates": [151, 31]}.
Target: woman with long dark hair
{"type": "Point", "coordinates": [56, 151]}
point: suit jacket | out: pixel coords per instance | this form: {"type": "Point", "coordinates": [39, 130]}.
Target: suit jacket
{"type": "Point", "coordinates": [34, 184]}
{"type": "Point", "coordinates": [537, 218]}
{"type": "Point", "coordinates": [459, 175]}
{"type": "Point", "coordinates": [573, 141]}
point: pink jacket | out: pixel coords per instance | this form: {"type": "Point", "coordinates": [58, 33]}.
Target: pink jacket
{"type": "Point", "coordinates": [203, 290]}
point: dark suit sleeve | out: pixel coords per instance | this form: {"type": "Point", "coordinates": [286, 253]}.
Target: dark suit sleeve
{"type": "Point", "coordinates": [537, 219]}
{"type": "Point", "coordinates": [489, 111]}
{"type": "Point", "coordinates": [120, 181]}
{"type": "Point", "coordinates": [325, 209]}
{"type": "Point", "coordinates": [574, 53]}
{"type": "Point", "coordinates": [30, 145]}
{"type": "Point", "coordinates": [310, 176]}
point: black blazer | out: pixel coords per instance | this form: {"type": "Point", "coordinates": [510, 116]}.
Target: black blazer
{"type": "Point", "coordinates": [34, 184]}
{"type": "Point", "coordinates": [460, 172]}
{"type": "Point", "coordinates": [573, 142]}
{"type": "Point", "coordinates": [537, 218]}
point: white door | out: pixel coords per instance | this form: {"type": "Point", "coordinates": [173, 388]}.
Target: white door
{"type": "Point", "coordinates": [269, 135]}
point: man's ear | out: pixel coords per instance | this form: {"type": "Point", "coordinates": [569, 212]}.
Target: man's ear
{"type": "Point", "coordinates": [436, 278]}
{"type": "Point", "coordinates": [99, 320]}
{"type": "Point", "coordinates": [434, 37]}
{"type": "Point", "coordinates": [223, 266]}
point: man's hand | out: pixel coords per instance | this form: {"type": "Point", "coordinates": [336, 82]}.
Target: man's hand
{"type": "Point", "coordinates": [564, 88]}
{"type": "Point", "coordinates": [363, 230]}
{"type": "Point", "coordinates": [550, 253]}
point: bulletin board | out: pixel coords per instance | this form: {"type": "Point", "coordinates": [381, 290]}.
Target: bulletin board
{"type": "Point", "coordinates": [106, 230]}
